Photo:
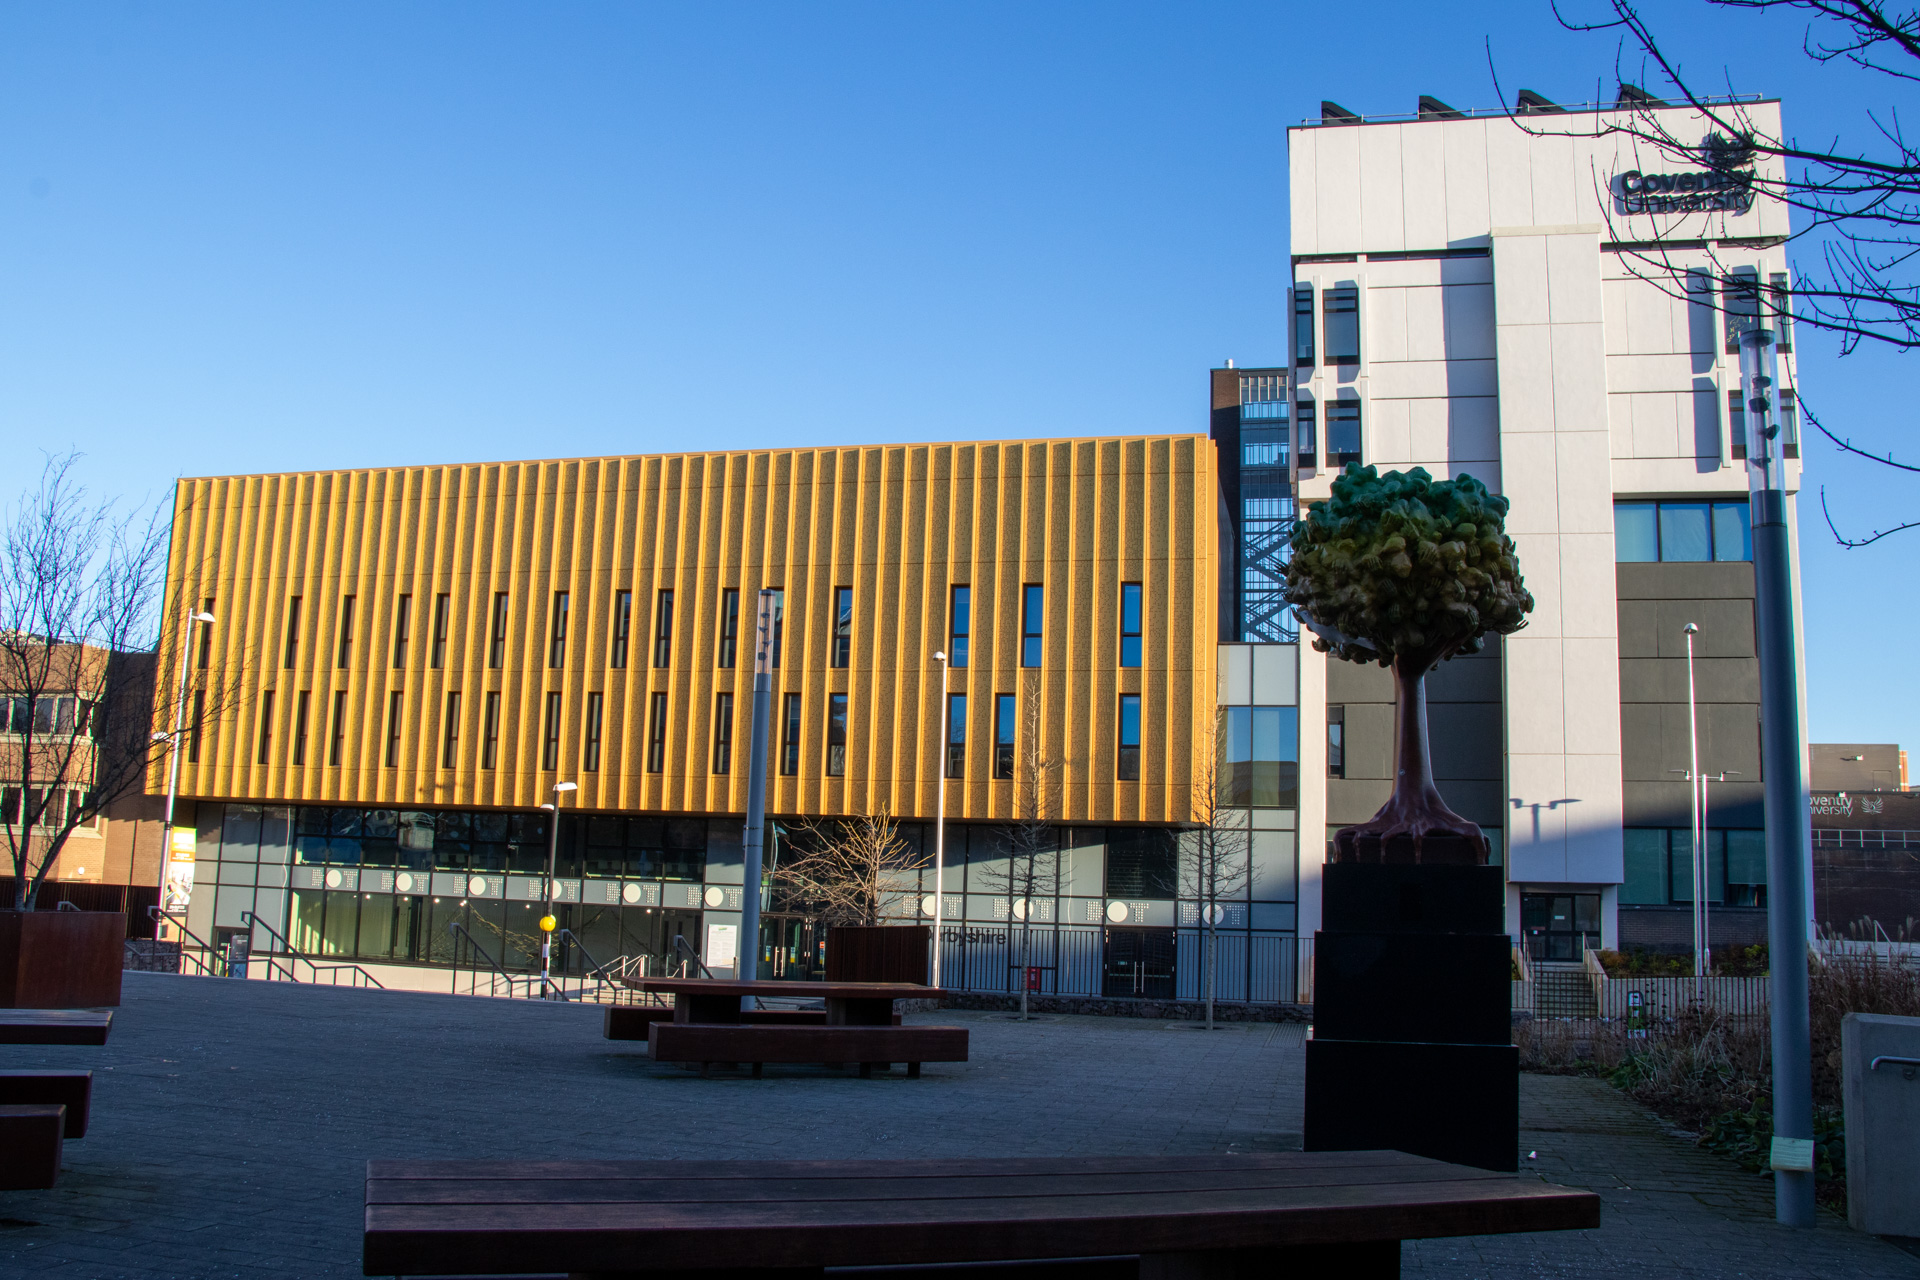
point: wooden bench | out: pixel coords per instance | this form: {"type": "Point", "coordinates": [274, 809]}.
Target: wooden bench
{"type": "Point", "coordinates": [630, 1021]}
{"type": "Point", "coordinates": [30, 1145]}
{"type": "Point", "coordinates": [55, 1026]}
{"type": "Point", "coordinates": [1284, 1216]}
{"type": "Point", "coordinates": [709, 1042]}
{"type": "Point", "coordinates": [71, 1089]}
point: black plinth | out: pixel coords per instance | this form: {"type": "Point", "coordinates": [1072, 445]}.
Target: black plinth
{"type": "Point", "coordinates": [1412, 1045]}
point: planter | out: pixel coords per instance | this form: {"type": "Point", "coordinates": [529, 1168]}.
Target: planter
{"type": "Point", "coordinates": [878, 953]}
{"type": "Point", "coordinates": [61, 959]}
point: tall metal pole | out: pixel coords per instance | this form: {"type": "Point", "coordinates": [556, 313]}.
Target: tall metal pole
{"type": "Point", "coordinates": [940, 820]}
{"type": "Point", "coordinates": [1783, 763]}
{"type": "Point", "coordinates": [1693, 786]}
{"type": "Point", "coordinates": [747, 951]}
{"type": "Point", "coordinates": [173, 754]}
{"type": "Point", "coordinates": [547, 921]}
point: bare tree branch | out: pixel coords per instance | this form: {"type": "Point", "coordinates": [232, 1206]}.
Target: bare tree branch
{"type": "Point", "coordinates": [848, 870]}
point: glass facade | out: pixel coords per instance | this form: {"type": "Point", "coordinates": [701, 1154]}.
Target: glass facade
{"type": "Point", "coordinates": [1660, 867]}
{"type": "Point", "coordinates": [1644, 532]}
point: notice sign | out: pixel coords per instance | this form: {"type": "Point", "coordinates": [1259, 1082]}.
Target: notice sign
{"type": "Point", "coordinates": [721, 942]}
{"type": "Point", "coordinates": [178, 887]}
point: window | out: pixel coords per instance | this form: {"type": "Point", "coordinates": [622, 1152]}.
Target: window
{"type": "Point", "coordinates": [1129, 624]}
{"type": "Point", "coordinates": [440, 608]}
{"type": "Point", "coordinates": [293, 632]}
{"type": "Point", "coordinates": [393, 730]}
{"type": "Point", "coordinates": [335, 747]}
{"type": "Point", "coordinates": [1265, 446]}
{"type": "Point", "coordinates": [729, 634]}
{"type": "Point", "coordinates": [402, 614]}
{"type": "Point", "coordinates": [1336, 742]}
{"type": "Point", "coordinates": [1032, 617]}
{"type": "Point", "coordinates": [1003, 732]}
{"type": "Point", "coordinates": [266, 728]}
{"type": "Point", "coordinates": [622, 628]}
{"type": "Point", "coordinates": [663, 630]}
{"type": "Point", "coordinates": [497, 645]}
{"type": "Point", "coordinates": [1789, 423]}
{"type": "Point", "coordinates": [300, 728]}
{"type": "Point", "coordinates": [1782, 298]}
{"type": "Point", "coordinates": [1341, 319]}
{"type": "Point", "coordinates": [1129, 762]}
{"type": "Point", "coordinates": [590, 761]}
{"type": "Point", "coordinates": [1343, 433]}
{"type": "Point", "coordinates": [1644, 532]}
{"type": "Point", "coordinates": [1740, 304]}
{"type": "Point", "coordinates": [1305, 419]}
{"type": "Point", "coordinates": [1659, 868]}
{"type": "Point", "coordinates": [842, 626]}
{"type": "Point", "coordinates": [836, 735]}
{"type": "Point", "coordinates": [779, 621]}
{"type": "Point", "coordinates": [490, 733]}
{"type": "Point", "coordinates": [960, 624]}
{"type": "Point", "coordinates": [1142, 862]}
{"type": "Point", "coordinates": [723, 727]}
{"type": "Point", "coordinates": [557, 632]}
{"type": "Point", "coordinates": [346, 632]}
{"type": "Point", "coordinates": [790, 736]}
{"type": "Point", "coordinates": [550, 740]}
{"type": "Point", "coordinates": [1260, 763]}
{"type": "Point", "coordinates": [956, 735]}
{"type": "Point", "coordinates": [1303, 324]}
{"type": "Point", "coordinates": [450, 732]}
{"type": "Point", "coordinates": [206, 637]}
{"type": "Point", "coordinates": [657, 733]}
{"type": "Point", "coordinates": [193, 731]}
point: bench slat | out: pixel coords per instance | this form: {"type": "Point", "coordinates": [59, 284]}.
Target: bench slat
{"type": "Point", "coordinates": [54, 1026]}
{"type": "Point", "coordinates": [732, 1042]}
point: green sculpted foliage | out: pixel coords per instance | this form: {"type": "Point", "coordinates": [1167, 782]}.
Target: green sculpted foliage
{"type": "Point", "coordinates": [1403, 564]}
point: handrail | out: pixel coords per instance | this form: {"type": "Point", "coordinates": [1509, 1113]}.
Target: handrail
{"type": "Point", "coordinates": [64, 905]}
{"type": "Point", "coordinates": [273, 958]}
{"type": "Point", "coordinates": [157, 915]}
{"type": "Point", "coordinates": [680, 945]}
{"type": "Point", "coordinates": [455, 927]}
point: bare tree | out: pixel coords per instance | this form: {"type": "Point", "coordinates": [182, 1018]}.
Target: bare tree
{"type": "Point", "coordinates": [1215, 867]}
{"type": "Point", "coordinates": [847, 870]}
{"type": "Point", "coordinates": [1859, 204]}
{"type": "Point", "coordinates": [1031, 875]}
{"type": "Point", "coordinates": [79, 588]}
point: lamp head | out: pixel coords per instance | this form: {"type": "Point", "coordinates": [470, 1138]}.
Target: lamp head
{"type": "Point", "coordinates": [939, 655]}
{"type": "Point", "coordinates": [203, 617]}
{"type": "Point", "coordinates": [565, 786]}
{"type": "Point", "coordinates": [547, 807]}
{"type": "Point", "coordinates": [1690, 629]}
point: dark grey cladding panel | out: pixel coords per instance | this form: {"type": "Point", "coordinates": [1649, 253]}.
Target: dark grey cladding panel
{"type": "Point", "coordinates": [1350, 801]}
{"type": "Point", "coordinates": [1665, 804]}
{"type": "Point", "coordinates": [1695, 581]}
{"type": "Point", "coordinates": [1657, 628]}
{"type": "Point", "coordinates": [1466, 740]}
{"type": "Point", "coordinates": [1715, 680]}
{"type": "Point", "coordinates": [1369, 740]}
{"type": "Point", "coordinates": [1482, 801]}
{"type": "Point", "coordinates": [1654, 740]}
{"type": "Point", "coordinates": [1349, 682]}
{"type": "Point", "coordinates": [1474, 678]}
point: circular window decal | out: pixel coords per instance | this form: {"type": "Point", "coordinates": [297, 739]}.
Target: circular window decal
{"type": "Point", "coordinates": [1117, 912]}
{"type": "Point", "coordinates": [927, 905]}
{"type": "Point", "coordinates": [403, 882]}
{"type": "Point", "coordinates": [477, 886]}
{"type": "Point", "coordinates": [1019, 908]}
{"type": "Point", "coordinates": [334, 879]}
{"type": "Point", "coordinates": [716, 897]}
{"type": "Point", "coordinates": [629, 893]}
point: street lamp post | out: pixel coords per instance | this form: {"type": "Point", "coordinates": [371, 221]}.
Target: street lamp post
{"type": "Point", "coordinates": [746, 964]}
{"type": "Point", "coordinates": [547, 922]}
{"type": "Point", "coordinates": [173, 747]}
{"type": "Point", "coordinates": [940, 817]}
{"type": "Point", "coordinates": [1699, 836]}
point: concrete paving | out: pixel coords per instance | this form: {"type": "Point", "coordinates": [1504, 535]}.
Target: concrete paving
{"type": "Point", "coordinates": [232, 1122]}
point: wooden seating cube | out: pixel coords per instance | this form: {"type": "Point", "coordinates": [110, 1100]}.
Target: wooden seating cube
{"type": "Point", "coordinates": [73, 1089]}
{"type": "Point", "coordinates": [30, 1145]}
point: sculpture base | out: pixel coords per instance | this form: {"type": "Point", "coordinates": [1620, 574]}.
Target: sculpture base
{"type": "Point", "coordinates": [1437, 848]}
{"type": "Point", "coordinates": [1454, 1102]}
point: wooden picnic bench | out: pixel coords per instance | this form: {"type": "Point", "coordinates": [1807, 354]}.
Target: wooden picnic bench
{"type": "Point", "coordinates": [1285, 1216]}
{"type": "Point", "coordinates": [631, 1021]}
{"type": "Point", "coordinates": [55, 1026]}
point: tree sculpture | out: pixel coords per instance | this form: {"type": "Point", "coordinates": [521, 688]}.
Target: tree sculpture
{"type": "Point", "coordinates": [1407, 571]}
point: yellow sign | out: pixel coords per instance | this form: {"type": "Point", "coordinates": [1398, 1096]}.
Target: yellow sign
{"type": "Point", "coordinates": [180, 845]}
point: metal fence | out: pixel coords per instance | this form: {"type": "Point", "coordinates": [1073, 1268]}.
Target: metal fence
{"type": "Point", "coordinates": [1258, 968]}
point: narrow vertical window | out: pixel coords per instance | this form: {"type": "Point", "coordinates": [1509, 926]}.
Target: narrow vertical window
{"type": "Point", "coordinates": [1306, 439]}
{"type": "Point", "coordinates": [266, 728]}
{"type": "Point", "coordinates": [663, 630]}
{"type": "Point", "coordinates": [557, 632]}
{"type": "Point", "coordinates": [1740, 302]}
{"type": "Point", "coordinates": [193, 731]}
{"type": "Point", "coordinates": [293, 632]}
{"type": "Point", "coordinates": [205, 655]}
{"type": "Point", "coordinates": [1782, 297]}
{"type": "Point", "coordinates": [622, 628]}
{"type": "Point", "coordinates": [550, 742]}
{"type": "Point", "coordinates": [1033, 613]}
{"type": "Point", "coordinates": [1340, 317]}
{"type": "Point", "coordinates": [402, 623]}
{"type": "Point", "coordinates": [722, 733]}
{"type": "Point", "coordinates": [393, 729]}
{"type": "Point", "coordinates": [497, 644]}
{"type": "Point", "coordinates": [591, 761]}
{"type": "Point", "coordinates": [1336, 742]}
{"type": "Point", "coordinates": [1129, 761]}
{"type": "Point", "coordinates": [842, 626]}
{"type": "Point", "coordinates": [657, 733]}
{"type": "Point", "coordinates": [450, 732]}
{"type": "Point", "coordinates": [729, 648]}
{"type": "Point", "coordinates": [1129, 624]}
{"type": "Point", "coordinates": [1343, 433]}
{"type": "Point", "coordinates": [790, 736]}
{"type": "Point", "coordinates": [836, 735]}
{"type": "Point", "coordinates": [300, 727]}
{"type": "Point", "coordinates": [1003, 730]}
{"type": "Point", "coordinates": [339, 741]}
{"type": "Point", "coordinates": [490, 733]}
{"type": "Point", "coordinates": [345, 653]}
{"type": "Point", "coordinates": [1303, 324]}
{"type": "Point", "coordinates": [779, 624]}
{"type": "Point", "coordinates": [441, 605]}
{"type": "Point", "coordinates": [956, 735]}
{"type": "Point", "coordinates": [961, 626]}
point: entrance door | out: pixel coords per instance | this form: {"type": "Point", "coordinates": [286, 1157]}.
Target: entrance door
{"type": "Point", "coordinates": [1560, 926]}
{"type": "Point", "coordinates": [1140, 963]}
{"type": "Point", "coordinates": [792, 947]}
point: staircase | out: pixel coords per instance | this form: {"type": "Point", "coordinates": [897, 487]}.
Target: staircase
{"type": "Point", "coordinates": [1562, 990]}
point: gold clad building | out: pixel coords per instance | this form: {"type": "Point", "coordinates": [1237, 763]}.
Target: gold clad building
{"type": "Point", "coordinates": [424, 652]}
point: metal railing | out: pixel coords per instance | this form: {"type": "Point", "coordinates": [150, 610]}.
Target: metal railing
{"type": "Point", "coordinates": [596, 984]}
{"type": "Point", "coordinates": [201, 957]}
{"type": "Point", "coordinates": [1127, 964]}
{"type": "Point", "coordinates": [689, 956]}
{"type": "Point", "coordinates": [282, 962]}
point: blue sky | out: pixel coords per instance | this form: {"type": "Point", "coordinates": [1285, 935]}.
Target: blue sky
{"type": "Point", "coordinates": [243, 237]}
